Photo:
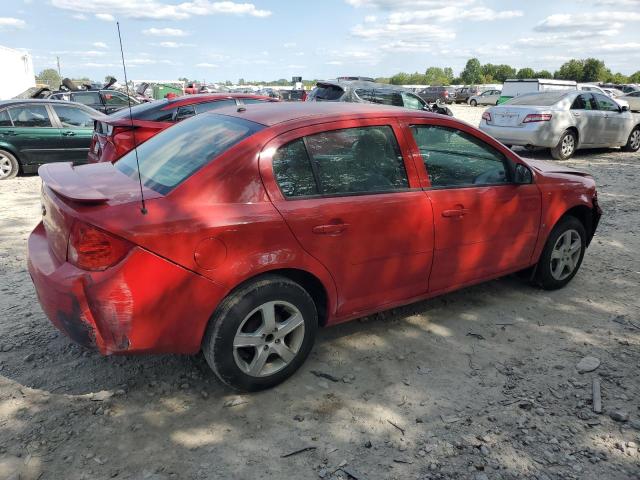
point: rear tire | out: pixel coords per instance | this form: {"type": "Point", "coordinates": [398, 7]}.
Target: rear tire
{"type": "Point", "coordinates": [633, 143]}
{"type": "Point", "coordinates": [473, 103]}
{"type": "Point", "coordinates": [562, 255]}
{"type": "Point", "coordinates": [9, 166]}
{"type": "Point", "coordinates": [261, 333]}
{"type": "Point", "coordinates": [566, 147]}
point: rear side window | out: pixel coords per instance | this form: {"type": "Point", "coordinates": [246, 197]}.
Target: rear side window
{"type": "Point", "coordinates": [342, 162]}
{"type": "Point", "coordinates": [205, 107]}
{"type": "Point", "coordinates": [73, 117]}
{"type": "Point", "coordinates": [292, 169]}
{"type": "Point", "coordinates": [382, 97]}
{"type": "Point", "coordinates": [5, 120]}
{"type": "Point", "coordinates": [327, 92]}
{"type": "Point", "coordinates": [454, 158]}
{"type": "Point", "coordinates": [117, 99]}
{"type": "Point", "coordinates": [583, 102]}
{"type": "Point", "coordinates": [30, 116]}
{"type": "Point", "coordinates": [176, 153]}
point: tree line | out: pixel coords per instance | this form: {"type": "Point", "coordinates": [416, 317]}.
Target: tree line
{"type": "Point", "coordinates": [587, 70]}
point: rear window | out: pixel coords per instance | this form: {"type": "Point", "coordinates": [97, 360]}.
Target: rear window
{"type": "Point", "coordinates": [537, 99]}
{"type": "Point", "coordinates": [326, 92]}
{"type": "Point", "coordinates": [176, 153]}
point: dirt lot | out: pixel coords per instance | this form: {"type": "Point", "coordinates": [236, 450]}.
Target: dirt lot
{"type": "Point", "coordinates": [479, 384]}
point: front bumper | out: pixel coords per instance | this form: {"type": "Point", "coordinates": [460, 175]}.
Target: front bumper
{"type": "Point", "coordinates": [536, 134]}
{"type": "Point", "coordinates": [143, 304]}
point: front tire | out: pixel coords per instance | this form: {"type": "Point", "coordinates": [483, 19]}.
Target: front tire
{"type": "Point", "coordinates": [473, 103]}
{"type": "Point", "coordinates": [9, 166]}
{"type": "Point", "coordinates": [633, 143]}
{"type": "Point", "coordinates": [562, 255]}
{"type": "Point", "coordinates": [261, 333]}
{"type": "Point", "coordinates": [566, 147]}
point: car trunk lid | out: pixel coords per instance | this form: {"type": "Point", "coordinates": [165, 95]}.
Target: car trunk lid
{"type": "Point", "coordinates": [69, 190]}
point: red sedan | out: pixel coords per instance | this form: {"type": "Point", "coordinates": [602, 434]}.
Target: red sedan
{"type": "Point", "coordinates": [117, 134]}
{"type": "Point", "coordinates": [264, 223]}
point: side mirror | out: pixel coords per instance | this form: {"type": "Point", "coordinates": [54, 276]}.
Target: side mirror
{"type": "Point", "coordinates": [624, 108]}
{"type": "Point", "coordinates": [523, 175]}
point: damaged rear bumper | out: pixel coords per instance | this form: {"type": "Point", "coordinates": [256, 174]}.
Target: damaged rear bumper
{"type": "Point", "coordinates": [143, 304]}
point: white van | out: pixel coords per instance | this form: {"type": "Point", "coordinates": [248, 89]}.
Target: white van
{"type": "Point", "coordinates": [514, 88]}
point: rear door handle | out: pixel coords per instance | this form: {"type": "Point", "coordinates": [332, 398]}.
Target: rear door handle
{"type": "Point", "coordinates": [576, 114]}
{"type": "Point", "coordinates": [330, 229]}
{"type": "Point", "coordinates": [10, 133]}
{"type": "Point", "coordinates": [458, 212]}
{"type": "Point", "coordinates": [69, 134]}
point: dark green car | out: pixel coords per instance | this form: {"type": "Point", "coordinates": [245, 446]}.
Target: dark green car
{"type": "Point", "coordinates": [33, 132]}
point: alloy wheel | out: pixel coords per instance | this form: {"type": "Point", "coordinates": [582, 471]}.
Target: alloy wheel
{"type": "Point", "coordinates": [634, 141]}
{"type": "Point", "coordinates": [566, 254]}
{"type": "Point", "coordinates": [5, 166]}
{"type": "Point", "coordinates": [568, 145]}
{"type": "Point", "coordinates": [268, 339]}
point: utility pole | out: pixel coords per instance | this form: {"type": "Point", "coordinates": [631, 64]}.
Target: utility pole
{"type": "Point", "coordinates": [58, 60]}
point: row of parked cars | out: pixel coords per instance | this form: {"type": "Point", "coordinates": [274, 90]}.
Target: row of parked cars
{"type": "Point", "coordinates": [74, 126]}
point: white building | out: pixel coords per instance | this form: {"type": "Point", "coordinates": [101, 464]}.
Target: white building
{"type": "Point", "coordinates": [17, 72]}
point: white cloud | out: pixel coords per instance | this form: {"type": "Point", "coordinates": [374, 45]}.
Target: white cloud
{"type": "Point", "coordinates": [413, 32]}
{"type": "Point", "coordinates": [370, 19]}
{"type": "Point", "coordinates": [206, 65]}
{"type": "Point", "coordinates": [165, 32]}
{"type": "Point", "coordinates": [10, 22]}
{"type": "Point", "coordinates": [411, 4]}
{"type": "Point", "coordinates": [174, 44]}
{"type": "Point", "coordinates": [107, 17]}
{"type": "Point", "coordinates": [155, 9]}
{"type": "Point", "coordinates": [290, 45]}
{"type": "Point", "coordinates": [100, 45]}
{"type": "Point", "coordinates": [79, 16]}
{"type": "Point", "coordinates": [450, 14]}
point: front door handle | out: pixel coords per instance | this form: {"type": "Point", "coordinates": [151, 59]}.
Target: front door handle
{"type": "Point", "coordinates": [458, 212]}
{"type": "Point", "coordinates": [575, 114]}
{"type": "Point", "coordinates": [69, 134]}
{"type": "Point", "coordinates": [330, 229]}
{"type": "Point", "coordinates": [10, 133]}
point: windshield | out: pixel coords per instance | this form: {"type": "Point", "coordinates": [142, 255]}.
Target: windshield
{"type": "Point", "coordinates": [176, 153]}
{"type": "Point", "coordinates": [537, 99]}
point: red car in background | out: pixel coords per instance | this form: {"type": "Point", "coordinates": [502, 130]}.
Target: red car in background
{"type": "Point", "coordinates": [113, 137]}
{"type": "Point", "coordinates": [264, 223]}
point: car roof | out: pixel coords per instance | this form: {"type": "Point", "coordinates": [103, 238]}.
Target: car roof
{"type": "Point", "coordinates": [15, 101]}
{"type": "Point", "coordinates": [270, 114]}
{"type": "Point", "coordinates": [362, 84]}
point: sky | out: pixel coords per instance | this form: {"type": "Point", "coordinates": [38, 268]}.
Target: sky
{"type": "Point", "coordinates": [213, 40]}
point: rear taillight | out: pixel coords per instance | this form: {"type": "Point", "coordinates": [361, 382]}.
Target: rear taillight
{"type": "Point", "coordinates": [486, 116]}
{"type": "Point", "coordinates": [90, 248]}
{"type": "Point", "coordinates": [537, 117]}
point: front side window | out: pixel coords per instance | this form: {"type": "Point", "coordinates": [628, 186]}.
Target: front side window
{"type": "Point", "coordinates": [454, 158]}
{"type": "Point", "coordinates": [606, 104]}
{"type": "Point", "coordinates": [73, 117]}
{"type": "Point", "coordinates": [176, 153]}
{"type": "Point", "coordinates": [5, 120]}
{"type": "Point", "coordinates": [185, 111]}
{"type": "Point", "coordinates": [30, 116]}
{"type": "Point", "coordinates": [86, 98]}
{"type": "Point", "coordinates": [411, 101]}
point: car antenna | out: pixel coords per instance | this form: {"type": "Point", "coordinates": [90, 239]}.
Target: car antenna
{"type": "Point", "coordinates": [133, 130]}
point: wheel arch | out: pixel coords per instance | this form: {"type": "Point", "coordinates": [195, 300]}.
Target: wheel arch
{"type": "Point", "coordinates": [575, 131]}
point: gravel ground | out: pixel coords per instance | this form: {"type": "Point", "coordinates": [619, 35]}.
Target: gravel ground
{"type": "Point", "coordinates": [479, 384]}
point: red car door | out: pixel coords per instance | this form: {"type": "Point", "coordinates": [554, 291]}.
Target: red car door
{"type": "Point", "coordinates": [485, 224]}
{"type": "Point", "coordinates": [354, 204]}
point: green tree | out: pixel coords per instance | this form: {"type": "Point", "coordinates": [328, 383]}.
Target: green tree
{"type": "Point", "coordinates": [525, 73]}
{"type": "Point", "coordinates": [621, 78]}
{"type": "Point", "coordinates": [503, 72]}
{"type": "Point", "coordinates": [634, 77]}
{"type": "Point", "coordinates": [382, 79]}
{"type": "Point", "coordinates": [448, 73]}
{"type": "Point", "coordinates": [472, 72]}
{"type": "Point", "coordinates": [543, 74]}
{"type": "Point", "coordinates": [400, 78]}
{"type": "Point", "coordinates": [594, 70]}
{"type": "Point", "coordinates": [437, 76]}
{"type": "Point", "coordinates": [571, 70]}
{"type": "Point", "coordinates": [49, 76]}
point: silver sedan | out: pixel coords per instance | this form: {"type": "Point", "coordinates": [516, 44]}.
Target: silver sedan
{"type": "Point", "coordinates": [564, 122]}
